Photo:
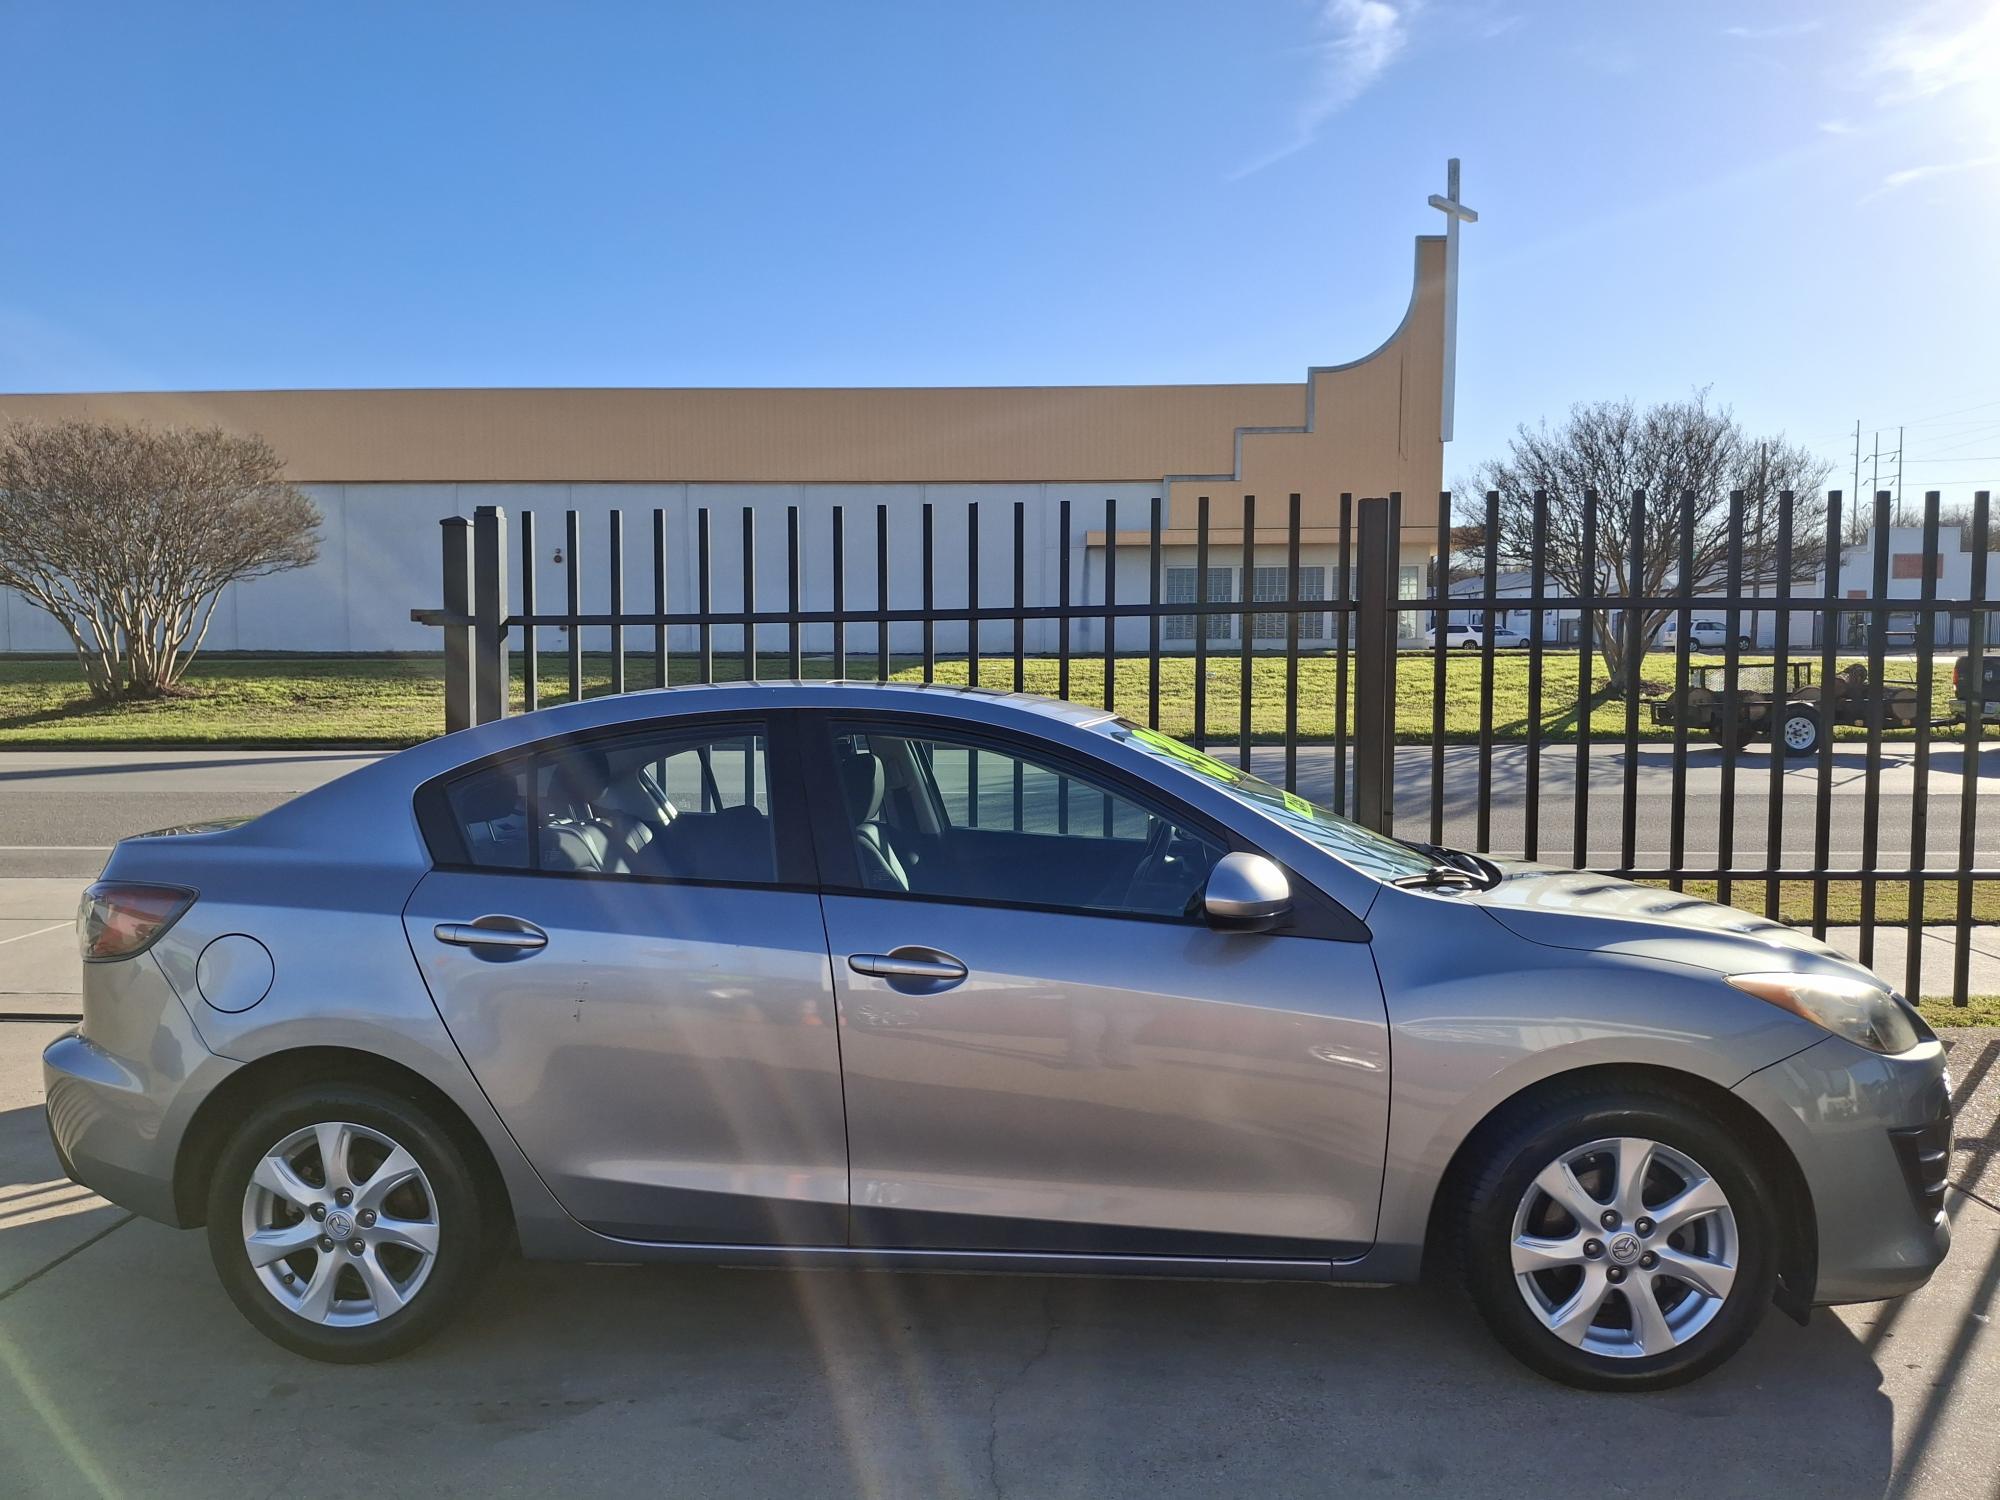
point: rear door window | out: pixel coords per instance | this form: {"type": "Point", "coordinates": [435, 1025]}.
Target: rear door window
{"type": "Point", "coordinates": [681, 804]}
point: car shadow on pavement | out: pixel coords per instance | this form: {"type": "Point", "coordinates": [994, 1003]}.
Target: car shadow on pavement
{"type": "Point", "coordinates": [602, 1380]}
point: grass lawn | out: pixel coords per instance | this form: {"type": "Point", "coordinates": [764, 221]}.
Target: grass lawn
{"type": "Point", "coordinates": [397, 700]}
{"type": "Point", "coordinates": [1978, 1010]}
{"type": "Point", "coordinates": [1843, 905]}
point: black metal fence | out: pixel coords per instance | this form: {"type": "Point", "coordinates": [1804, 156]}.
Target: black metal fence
{"type": "Point", "coordinates": [1506, 752]}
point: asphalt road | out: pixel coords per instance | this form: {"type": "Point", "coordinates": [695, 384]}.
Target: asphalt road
{"type": "Point", "coordinates": [60, 811]}
{"type": "Point", "coordinates": [124, 1371]}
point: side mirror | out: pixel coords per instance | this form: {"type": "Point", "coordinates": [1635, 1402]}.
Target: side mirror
{"type": "Point", "coordinates": [1246, 893]}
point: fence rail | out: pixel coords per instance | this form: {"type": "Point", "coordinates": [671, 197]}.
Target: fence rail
{"type": "Point", "coordinates": [1337, 734]}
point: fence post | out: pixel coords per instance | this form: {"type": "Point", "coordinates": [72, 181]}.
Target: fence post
{"type": "Point", "coordinates": [457, 638]}
{"type": "Point", "coordinates": [1375, 666]}
{"type": "Point", "coordinates": [489, 613]}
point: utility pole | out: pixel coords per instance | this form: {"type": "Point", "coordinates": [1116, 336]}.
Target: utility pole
{"type": "Point", "coordinates": [1899, 476]}
{"type": "Point", "coordinates": [1854, 495]}
{"type": "Point", "coordinates": [1764, 559]}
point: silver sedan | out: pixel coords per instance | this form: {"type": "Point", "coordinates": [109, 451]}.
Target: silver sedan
{"type": "Point", "coordinates": [843, 974]}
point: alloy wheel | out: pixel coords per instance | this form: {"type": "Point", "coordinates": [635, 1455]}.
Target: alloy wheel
{"type": "Point", "coordinates": [340, 1224]}
{"type": "Point", "coordinates": [1624, 1247]}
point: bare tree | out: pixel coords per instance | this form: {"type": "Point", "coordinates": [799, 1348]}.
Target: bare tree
{"type": "Point", "coordinates": [1681, 461]}
{"type": "Point", "coordinates": [1467, 559]}
{"type": "Point", "coordinates": [128, 535]}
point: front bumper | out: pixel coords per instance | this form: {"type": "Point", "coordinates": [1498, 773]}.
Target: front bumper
{"type": "Point", "coordinates": [122, 1090]}
{"type": "Point", "coordinates": [1864, 1129]}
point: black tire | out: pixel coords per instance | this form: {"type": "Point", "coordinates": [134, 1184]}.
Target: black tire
{"type": "Point", "coordinates": [1492, 1189]}
{"type": "Point", "coordinates": [1794, 740]}
{"type": "Point", "coordinates": [465, 1231]}
{"type": "Point", "coordinates": [1745, 733]}
{"type": "Point", "coordinates": [1744, 643]}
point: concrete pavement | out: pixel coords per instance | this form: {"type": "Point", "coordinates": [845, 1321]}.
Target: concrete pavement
{"type": "Point", "coordinates": [125, 1371]}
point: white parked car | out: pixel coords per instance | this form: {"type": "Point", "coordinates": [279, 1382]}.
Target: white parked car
{"type": "Point", "coordinates": [1472, 637]}
{"type": "Point", "coordinates": [1705, 635]}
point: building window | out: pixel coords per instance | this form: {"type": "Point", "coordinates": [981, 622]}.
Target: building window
{"type": "Point", "coordinates": [1409, 585]}
{"type": "Point", "coordinates": [1180, 585]}
{"type": "Point", "coordinates": [1272, 583]}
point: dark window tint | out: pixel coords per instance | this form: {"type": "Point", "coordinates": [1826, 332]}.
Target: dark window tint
{"type": "Point", "coordinates": [687, 806]}
{"type": "Point", "coordinates": [933, 816]}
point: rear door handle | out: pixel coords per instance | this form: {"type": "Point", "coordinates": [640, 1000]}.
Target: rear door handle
{"type": "Point", "coordinates": [493, 932]}
{"type": "Point", "coordinates": [926, 965]}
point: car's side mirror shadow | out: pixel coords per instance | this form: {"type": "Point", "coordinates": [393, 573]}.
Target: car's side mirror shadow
{"type": "Point", "coordinates": [1246, 893]}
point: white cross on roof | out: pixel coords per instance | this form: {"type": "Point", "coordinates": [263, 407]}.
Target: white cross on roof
{"type": "Point", "coordinates": [1454, 212]}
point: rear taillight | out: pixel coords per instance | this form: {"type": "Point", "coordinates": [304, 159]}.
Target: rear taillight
{"type": "Point", "coordinates": [117, 919]}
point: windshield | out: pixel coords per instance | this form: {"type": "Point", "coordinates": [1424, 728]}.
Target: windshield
{"type": "Point", "coordinates": [1367, 851]}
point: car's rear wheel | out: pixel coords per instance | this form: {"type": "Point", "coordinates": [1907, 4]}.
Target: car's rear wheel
{"type": "Point", "coordinates": [345, 1223]}
{"type": "Point", "coordinates": [1617, 1239]}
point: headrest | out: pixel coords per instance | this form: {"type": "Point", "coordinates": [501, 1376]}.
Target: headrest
{"type": "Point", "coordinates": [581, 775]}
{"type": "Point", "coordinates": [862, 783]}
{"type": "Point", "coordinates": [490, 798]}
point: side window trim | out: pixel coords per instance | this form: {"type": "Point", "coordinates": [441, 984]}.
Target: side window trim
{"type": "Point", "coordinates": [1316, 914]}
{"type": "Point", "coordinates": [792, 840]}
{"type": "Point", "coordinates": [840, 872]}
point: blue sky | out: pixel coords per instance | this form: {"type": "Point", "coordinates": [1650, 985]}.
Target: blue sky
{"type": "Point", "coordinates": [1798, 205]}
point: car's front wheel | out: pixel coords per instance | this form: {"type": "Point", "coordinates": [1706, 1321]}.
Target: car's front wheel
{"type": "Point", "coordinates": [344, 1222]}
{"type": "Point", "coordinates": [1617, 1239]}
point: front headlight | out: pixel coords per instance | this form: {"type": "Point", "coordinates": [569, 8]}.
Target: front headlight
{"type": "Point", "coordinates": [1863, 1013]}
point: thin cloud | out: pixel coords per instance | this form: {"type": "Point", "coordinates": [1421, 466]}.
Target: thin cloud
{"type": "Point", "coordinates": [1939, 51]}
{"type": "Point", "coordinates": [1929, 170]}
{"type": "Point", "coordinates": [1354, 43]}
{"type": "Point", "coordinates": [1838, 127]}
{"type": "Point", "coordinates": [1771, 33]}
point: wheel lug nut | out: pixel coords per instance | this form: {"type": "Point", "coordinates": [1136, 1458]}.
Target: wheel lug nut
{"type": "Point", "coordinates": [1609, 1219]}
{"type": "Point", "coordinates": [1593, 1248]}
{"type": "Point", "coordinates": [1648, 1261]}
{"type": "Point", "coordinates": [344, 1196]}
{"type": "Point", "coordinates": [367, 1217]}
{"type": "Point", "coordinates": [319, 1211]}
{"type": "Point", "coordinates": [1615, 1274]}
{"type": "Point", "coordinates": [355, 1246]}
{"type": "Point", "coordinates": [325, 1244]}
{"type": "Point", "coordinates": [1643, 1226]}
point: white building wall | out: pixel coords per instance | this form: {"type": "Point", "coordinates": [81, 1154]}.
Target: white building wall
{"type": "Point", "coordinates": [380, 549]}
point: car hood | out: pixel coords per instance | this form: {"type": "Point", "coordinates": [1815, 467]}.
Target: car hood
{"type": "Point", "coordinates": [1561, 908]}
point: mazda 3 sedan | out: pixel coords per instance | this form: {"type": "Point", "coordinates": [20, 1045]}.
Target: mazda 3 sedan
{"type": "Point", "coordinates": [846, 974]}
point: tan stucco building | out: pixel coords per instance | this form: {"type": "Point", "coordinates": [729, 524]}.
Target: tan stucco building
{"type": "Point", "coordinates": [386, 465]}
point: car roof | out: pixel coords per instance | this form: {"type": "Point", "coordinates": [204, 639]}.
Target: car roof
{"type": "Point", "coordinates": [992, 705]}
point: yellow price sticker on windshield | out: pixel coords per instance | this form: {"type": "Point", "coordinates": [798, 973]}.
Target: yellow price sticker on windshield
{"type": "Point", "coordinates": [1208, 765]}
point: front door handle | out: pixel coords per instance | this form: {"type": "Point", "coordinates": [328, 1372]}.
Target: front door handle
{"type": "Point", "coordinates": [926, 965]}
{"type": "Point", "coordinates": [493, 932]}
